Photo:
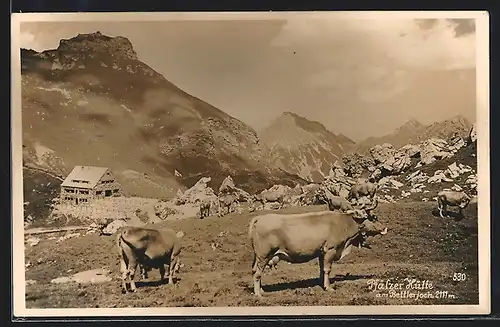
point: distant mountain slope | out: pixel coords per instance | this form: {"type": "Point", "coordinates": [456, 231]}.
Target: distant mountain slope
{"type": "Point", "coordinates": [412, 132]}
{"type": "Point", "coordinates": [91, 101]}
{"type": "Point", "coordinates": [303, 147]}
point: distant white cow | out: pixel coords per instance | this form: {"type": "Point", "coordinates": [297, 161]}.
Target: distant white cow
{"type": "Point", "coordinates": [226, 202]}
{"type": "Point", "coordinates": [454, 199]}
{"type": "Point", "coordinates": [360, 190]}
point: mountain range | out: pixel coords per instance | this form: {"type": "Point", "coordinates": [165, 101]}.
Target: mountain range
{"type": "Point", "coordinates": [413, 132]}
{"type": "Point", "coordinates": [304, 147]}
{"type": "Point", "coordinates": [91, 101]}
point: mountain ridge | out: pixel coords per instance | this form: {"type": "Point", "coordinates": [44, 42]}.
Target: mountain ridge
{"type": "Point", "coordinates": [302, 146]}
{"type": "Point", "coordinates": [413, 132]}
{"type": "Point", "coordinates": [95, 95]}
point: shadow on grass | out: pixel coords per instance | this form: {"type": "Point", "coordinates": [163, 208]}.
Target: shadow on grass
{"type": "Point", "coordinates": [448, 214]}
{"type": "Point", "coordinates": [157, 282]}
{"type": "Point", "coordinates": [307, 283]}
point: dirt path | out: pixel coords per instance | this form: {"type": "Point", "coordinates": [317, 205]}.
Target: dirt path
{"type": "Point", "coordinates": [217, 266]}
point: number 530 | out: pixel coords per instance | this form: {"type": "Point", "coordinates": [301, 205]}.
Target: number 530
{"type": "Point", "coordinates": [460, 277]}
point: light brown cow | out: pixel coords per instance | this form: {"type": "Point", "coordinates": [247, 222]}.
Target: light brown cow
{"type": "Point", "coordinates": [300, 238]}
{"type": "Point", "coordinates": [226, 201]}
{"type": "Point", "coordinates": [149, 248]}
{"type": "Point", "coordinates": [360, 190]}
{"type": "Point", "coordinates": [269, 196]}
{"type": "Point", "coordinates": [454, 199]}
{"type": "Point", "coordinates": [334, 202]}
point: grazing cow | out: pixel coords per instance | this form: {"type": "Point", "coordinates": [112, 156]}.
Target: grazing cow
{"type": "Point", "coordinates": [225, 202]}
{"type": "Point", "coordinates": [299, 238]}
{"type": "Point", "coordinates": [205, 205]}
{"type": "Point", "coordinates": [149, 248]}
{"type": "Point", "coordinates": [269, 196]}
{"type": "Point", "coordinates": [360, 190]}
{"type": "Point", "coordinates": [334, 202]}
{"type": "Point", "coordinates": [454, 199]}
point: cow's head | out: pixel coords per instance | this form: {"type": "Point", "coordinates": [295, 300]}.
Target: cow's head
{"type": "Point", "coordinates": [321, 195]}
{"type": "Point", "coordinates": [465, 201]}
{"type": "Point", "coordinates": [372, 228]}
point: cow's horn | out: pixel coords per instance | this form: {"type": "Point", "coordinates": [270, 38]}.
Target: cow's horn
{"type": "Point", "coordinates": [384, 231]}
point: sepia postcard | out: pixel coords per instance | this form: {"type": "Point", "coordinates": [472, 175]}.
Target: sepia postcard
{"type": "Point", "coordinates": [250, 164]}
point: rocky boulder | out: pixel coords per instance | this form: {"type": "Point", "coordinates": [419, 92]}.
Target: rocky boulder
{"type": "Point", "coordinates": [338, 186]}
{"type": "Point", "coordinates": [196, 193]}
{"type": "Point", "coordinates": [471, 182]}
{"type": "Point", "coordinates": [228, 187]}
{"type": "Point", "coordinates": [355, 164]}
{"type": "Point", "coordinates": [417, 177]}
{"type": "Point", "coordinates": [336, 170]}
{"type": "Point", "coordinates": [456, 143]}
{"type": "Point", "coordinates": [163, 211]}
{"type": "Point", "coordinates": [433, 149]}
{"type": "Point", "coordinates": [381, 153]}
{"type": "Point", "coordinates": [113, 227]}
{"type": "Point", "coordinates": [412, 151]}
{"type": "Point", "coordinates": [438, 177]}
{"type": "Point", "coordinates": [472, 135]}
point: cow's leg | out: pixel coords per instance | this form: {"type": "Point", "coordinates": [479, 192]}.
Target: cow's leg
{"type": "Point", "coordinates": [440, 208]}
{"type": "Point", "coordinates": [461, 209]}
{"type": "Point", "coordinates": [327, 267]}
{"type": "Point", "coordinates": [132, 267]}
{"type": "Point", "coordinates": [162, 273]}
{"type": "Point", "coordinates": [124, 272]}
{"type": "Point", "coordinates": [144, 272]}
{"type": "Point", "coordinates": [321, 259]}
{"type": "Point", "coordinates": [258, 269]}
{"type": "Point", "coordinates": [171, 270]}
{"type": "Point", "coordinates": [445, 210]}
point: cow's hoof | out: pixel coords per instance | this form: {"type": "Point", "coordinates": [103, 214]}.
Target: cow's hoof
{"type": "Point", "coordinates": [330, 289]}
{"type": "Point", "coordinates": [124, 291]}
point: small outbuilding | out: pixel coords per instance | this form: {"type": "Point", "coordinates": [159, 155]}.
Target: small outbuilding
{"type": "Point", "coordinates": [88, 182]}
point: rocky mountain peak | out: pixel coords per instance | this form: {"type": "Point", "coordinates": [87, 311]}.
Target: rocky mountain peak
{"type": "Point", "coordinates": [302, 146]}
{"type": "Point", "coordinates": [411, 125]}
{"type": "Point", "coordinates": [303, 123]}
{"type": "Point", "coordinates": [118, 46]}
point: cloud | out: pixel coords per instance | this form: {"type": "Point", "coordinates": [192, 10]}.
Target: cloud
{"type": "Point", "coordinates": [430, 43]}
{"type": "Point", "coordinates": [359, 77]}
{"type": "Point", "coordinates": [28, 41]}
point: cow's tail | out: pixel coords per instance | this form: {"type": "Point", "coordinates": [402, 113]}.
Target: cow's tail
{"type": "Point", "coordinates": [251, 227]}
{"type": "Point", "coordinates": [119, 241]}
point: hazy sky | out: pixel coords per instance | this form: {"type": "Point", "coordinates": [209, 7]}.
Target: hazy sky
{"type": "Point", "coordinates": [358, 77]}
